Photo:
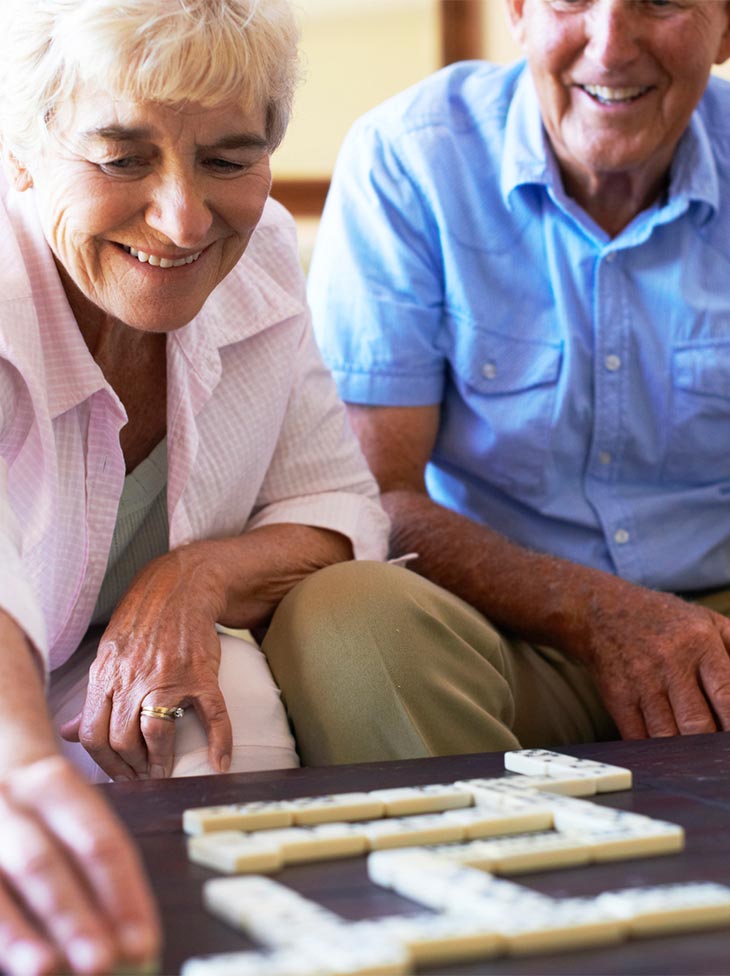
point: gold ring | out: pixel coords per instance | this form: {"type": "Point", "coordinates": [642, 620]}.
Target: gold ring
{"type": "Point", "coordinates": [157, 711]}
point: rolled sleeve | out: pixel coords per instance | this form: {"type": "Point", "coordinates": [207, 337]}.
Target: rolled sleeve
{"type": "Point", "coordinates": [376, 281]}
{"type": "Point", "coordinates": [318, 475]}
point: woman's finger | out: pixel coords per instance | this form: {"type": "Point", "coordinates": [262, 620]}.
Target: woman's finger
{"type": "Point", "coordinates": [101, 853]}
{"type": "Point", "coordinates": [38, 871]}
{"type": "Point", "coordinates": [23, 950]}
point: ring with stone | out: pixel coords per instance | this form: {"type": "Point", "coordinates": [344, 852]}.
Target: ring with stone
{"type": "Point", "coordinates": [158, 711]}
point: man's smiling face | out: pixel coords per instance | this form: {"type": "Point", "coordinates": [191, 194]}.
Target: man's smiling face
{"type": "Point", "coordinates": [618, 80]}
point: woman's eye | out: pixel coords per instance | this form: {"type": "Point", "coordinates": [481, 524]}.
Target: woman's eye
{"type": "Point", "coordinates": [224, 165]}
{"type": "Point", "coordinates": [124, 165]}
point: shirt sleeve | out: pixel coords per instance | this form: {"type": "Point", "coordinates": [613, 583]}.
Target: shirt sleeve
{"type": "Point", "coordinates": [17, 596]}
{"type": "Point", "coordinates": [376, 281]}
{"type": "Point", "coordinates": [318, 475]}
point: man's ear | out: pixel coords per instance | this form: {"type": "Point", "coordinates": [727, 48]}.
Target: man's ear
{"type": "Point", "coordinates": [16, 171]}
{"type": "Point", "coordinates": [515, 13]}
{"type": "Point", "coordinates": [723, 51]}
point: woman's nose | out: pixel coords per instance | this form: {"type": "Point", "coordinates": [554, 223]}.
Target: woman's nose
{"type": "Point", "coordinates": [179, 212]}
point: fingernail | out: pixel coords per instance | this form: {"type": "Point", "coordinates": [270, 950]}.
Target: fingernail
{"type": "Point", "coordinates": [87, 956]}
{"type": "Point", "coordinates": [122, 779]}
{"type": "Point", "coordinates": [225, 763]}
{"type": "Point", "coordinates": [25, 957]}
{"type": "Point", "coordinates": [157, 772]}
{"type": "Point", "coordinates": [135, 941]}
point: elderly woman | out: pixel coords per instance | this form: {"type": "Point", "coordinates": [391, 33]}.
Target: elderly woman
{"type": "Point", "coordinates": [174, 455]}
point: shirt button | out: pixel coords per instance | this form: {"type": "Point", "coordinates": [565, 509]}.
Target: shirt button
{"type": "Point", "coordinates": [611, 257]}
{"type": "Point", "coordinates": [621, 537]}
{"type": "Point", "coordinates": [489, 370]}
{"type": "Point", "coordinates": [612, 363]}
{"type": "Point", "coordinates": [605, 457]}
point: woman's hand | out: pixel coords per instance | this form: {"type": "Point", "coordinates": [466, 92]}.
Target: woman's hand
{"type": "Point", "coordinates": [72, 892]}
{"type": "Point", "coordinates": [160, 649]}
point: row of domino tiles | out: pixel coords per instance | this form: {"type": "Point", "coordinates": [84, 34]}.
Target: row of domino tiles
{"type": "Point", "coordinates": [474, 916]}
{"type": "Point", "coordinates": [476, 818]}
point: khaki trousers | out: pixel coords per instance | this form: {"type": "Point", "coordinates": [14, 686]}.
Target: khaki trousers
{"type": "Point", "coordinates": [375, 662]}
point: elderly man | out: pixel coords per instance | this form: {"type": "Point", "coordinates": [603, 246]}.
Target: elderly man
{"type": "Point", "coordinates": [521, 284]}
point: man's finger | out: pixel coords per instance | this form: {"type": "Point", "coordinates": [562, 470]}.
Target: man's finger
{"type": "Point", "coordinates": [658, 716]}
{"type": "Point", "coordinates": [715, 676]}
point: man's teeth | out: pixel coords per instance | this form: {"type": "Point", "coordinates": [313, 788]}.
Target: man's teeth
{"type": "Point", "coordinates": [605, 94]}
{"type": "Point", "coordinates": [158, 262]}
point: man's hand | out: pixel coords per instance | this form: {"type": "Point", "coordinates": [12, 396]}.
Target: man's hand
{"type": "Point", "coordinates": [72, 892]}
{"type": "Point", "coordinates": [662, 665]}
{"type": "Point", "coordinates": [160, 648]}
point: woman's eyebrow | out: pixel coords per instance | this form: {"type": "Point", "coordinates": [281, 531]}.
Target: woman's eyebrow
{"type": "Point", "coordinates": [121, 133]}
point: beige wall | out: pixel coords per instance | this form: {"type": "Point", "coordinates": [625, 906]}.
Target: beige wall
{"type": "Point", "coordinates": [356, 54]}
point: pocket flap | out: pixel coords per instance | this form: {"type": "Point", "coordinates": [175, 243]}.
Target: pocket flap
{"type": "Point", "coordinates": [703, 369]}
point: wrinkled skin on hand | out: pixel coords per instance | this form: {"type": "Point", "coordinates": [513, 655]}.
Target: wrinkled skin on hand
{"type": "Point", "coordinates": [160, 648]}
{"type": "Point", "coordinates": [72, 892]}
{"type": "Point", "coordinates": [662, 665]}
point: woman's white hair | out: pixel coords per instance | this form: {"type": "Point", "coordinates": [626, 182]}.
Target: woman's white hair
{"type": "Point", "coordinates": [165, 51]}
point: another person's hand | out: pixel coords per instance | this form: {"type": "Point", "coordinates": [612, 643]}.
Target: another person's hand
{"type": "Point", "coordinates": [662, 665]}
{"type": "Point", "coordinates": [72, 892]}
{"type": "Point", "coordinates": [161, 648]}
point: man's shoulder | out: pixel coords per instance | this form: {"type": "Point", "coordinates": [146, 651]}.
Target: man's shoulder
{"type": "Point", "coordinates": [714, 109]}
{"type": "Point", "coordinates": [460, 98]}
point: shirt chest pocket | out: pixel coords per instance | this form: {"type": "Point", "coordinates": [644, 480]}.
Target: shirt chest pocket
{"type": "Point", "coordinates": [698, 447]}
{"type": "Point", "coordinates": [508, 388]}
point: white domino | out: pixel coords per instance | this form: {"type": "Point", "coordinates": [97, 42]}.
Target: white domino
{"type": "Point", "coordinates": [483, 821]}
{"type": "Point", "coordinates": [499, 795]}
{"type": "Point", "coordinates": [543, 762]}
{"type": "Point", "coordinates": [283, 963]}
{"type": "Point", "coordinates": [524, 852]}
{"type": "Point", "coordinates": [670, 908]}
{"type": "Point", "coordinates": [432, 798]}
{"type": "Point", "coordinates": [571, 923]}
{"type": "Point", "coordinates": [234, 852]}
{"type": "Point", "coordinates": [322, 842]}
{"type": "Point", "coordinates": [437, 940]}
{"type": "Point", "coordinates": [270, 913]}
{"type": "Point", "coordinates": [426, 828]}
{"type": "Point", "coordinates": [237, 816]}
{"type": "Point", "coordinates": [336, 807]}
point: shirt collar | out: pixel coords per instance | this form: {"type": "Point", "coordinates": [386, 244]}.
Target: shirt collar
{"type": "Point", "coordinates": [529, 159]}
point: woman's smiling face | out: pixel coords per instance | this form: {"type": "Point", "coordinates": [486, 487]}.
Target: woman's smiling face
{"type": "Point", "coordinates": [148, 207]}
{"type": "Point", "coordinates": [618, 80]}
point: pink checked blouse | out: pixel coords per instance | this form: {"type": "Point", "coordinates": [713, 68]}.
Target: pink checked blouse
{"type": "Point", "coordinates": [256, 433]}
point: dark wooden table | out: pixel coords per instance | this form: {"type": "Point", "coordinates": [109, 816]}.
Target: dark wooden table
{"type": "Point", "coordinates": [684, 780]}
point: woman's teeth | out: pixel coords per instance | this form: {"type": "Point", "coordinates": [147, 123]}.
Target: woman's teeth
{"type": "Point", "coordinates": [158, 262]}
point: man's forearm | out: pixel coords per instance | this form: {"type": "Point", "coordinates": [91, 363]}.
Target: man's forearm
{"type": "Point", "coordinates": [539, 597]}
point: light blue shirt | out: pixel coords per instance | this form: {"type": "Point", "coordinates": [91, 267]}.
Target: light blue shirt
{"type": "Point", "coordinates": [584, 381]}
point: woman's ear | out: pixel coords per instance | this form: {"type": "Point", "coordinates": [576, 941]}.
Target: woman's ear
{"type": "Point", "coordinates": [16, 171]}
